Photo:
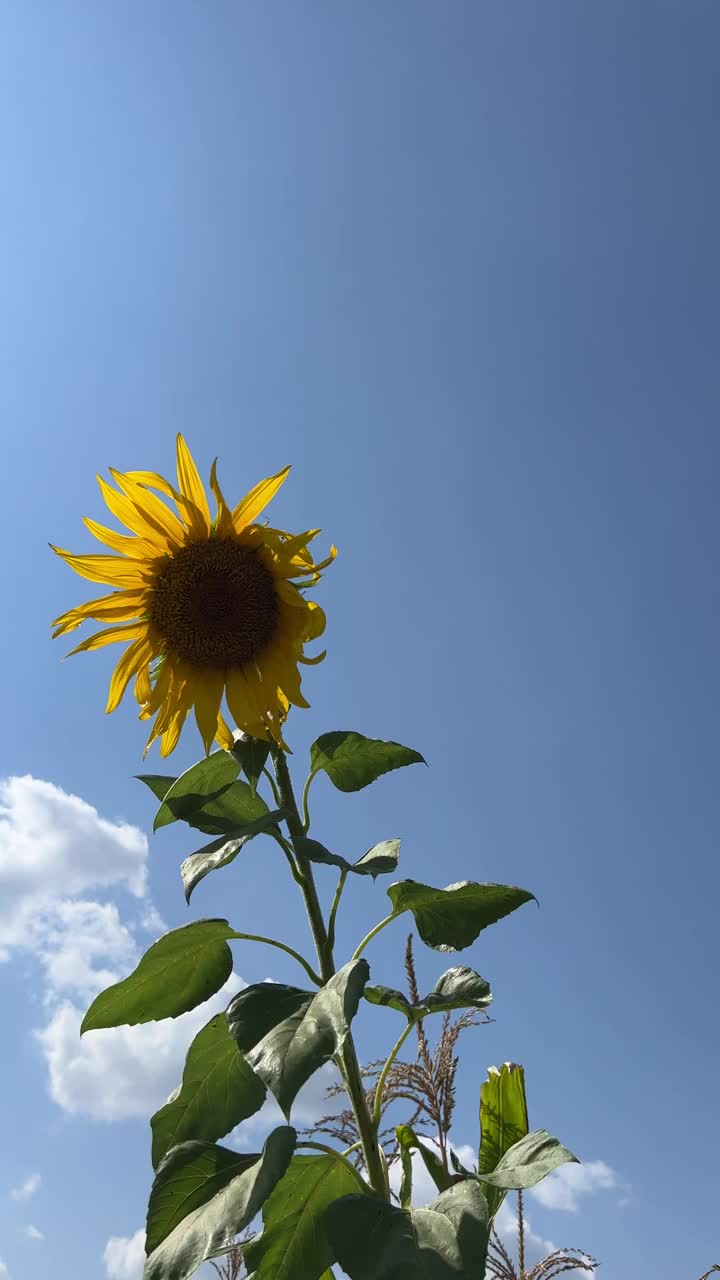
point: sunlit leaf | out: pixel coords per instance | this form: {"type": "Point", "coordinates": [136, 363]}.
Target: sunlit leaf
{"type": "Point", "coordinates": [503, 1122]}
{"type": "Point", "coordinates": [201, 783]}
{"type": "Point", "coordinates": [528, 1161]}
{"type": "Point", "coordinates": [451, 919]}
{"type": "Point", "coordinates": [179, 972]}
{"type": "Point", "coordinates": [352, 761]}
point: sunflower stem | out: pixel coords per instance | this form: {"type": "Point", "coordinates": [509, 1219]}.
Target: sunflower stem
{"type": "Point", "coordinates": [347, 1058]}
{"type": "Point", "coordinates": [279, 839]}
{"type": "Point", "coordinates": [305, 809]}
{"type": "Point", "coordinates": [334, 907]}
{"type": "Point", "coordinates": [369, 936]}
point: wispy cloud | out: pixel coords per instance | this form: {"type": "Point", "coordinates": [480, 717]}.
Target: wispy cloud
{"type": "Point", "coordinates": [27, 1188]}
{"type": "Point", "coordinates": [33, 1233]}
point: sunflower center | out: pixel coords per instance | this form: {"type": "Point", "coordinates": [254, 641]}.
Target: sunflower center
{"type": "Point", "coordinates": [214, 604]}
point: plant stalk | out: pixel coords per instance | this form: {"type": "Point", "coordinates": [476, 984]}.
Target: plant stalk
{"type": "Point", "coordinates": [348, 1056]}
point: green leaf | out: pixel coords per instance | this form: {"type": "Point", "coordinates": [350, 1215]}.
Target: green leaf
{"type": "Point", "coordinates": [294, 1244]}
{"type": "Point", "coordinates": [528, 1161]}
{"type": "Point", "coordinates": [219, 1089]}
{"type": "Point", "coordinates": [159, 783]}
{"type": "Point", "coordinates": [503, 1122]}
{"type": "Point", "coordinates": [221, 852]}
{"type": "Point", "coordinates": [203, 1196]}
{"type": "Point", "coordinates": [254, 1011]}
{"type": "Point", "coordinates": [231, 814]}
{"type": "Point", "coordinates": [314, 851]}
{"type": "Point", "coordinates": [178, 973]}
{"type": "Point", "coordinates": [409, 1141]}
{"type": "Point", "coordinates": [450, 919]}
{"type": "Point", "coordinates": [375, 1240]}
{"type": "Point", "coordinates": [201, 783]}
{"type": "Point", "coordinates": [352, 761]}
{"type": "Point", "coordinates": [251, 754]}
{"type": "Point", "coordinates": [380, 860]}
{"type": "Point", "coordinates": [458, 988]}
{"type": "Point", "coordinates": [290, 1051]}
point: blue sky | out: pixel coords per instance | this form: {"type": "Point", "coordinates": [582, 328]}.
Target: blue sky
{"type": "Point", "coordinates": [458, 263]}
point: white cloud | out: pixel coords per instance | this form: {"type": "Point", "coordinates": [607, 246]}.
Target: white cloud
{"type": "Point", "coordinates": [32, 1232]}
{"type": "Point", "coordinates": [124, 1071]}
{"type": "Point", "coordinates": [562, 1188]}
{"type": "Point", "coordinates": [3, 1270]}
{"type": "Point", "coordinates": [27, 1188]}
{"type": "Point", "coordinates": [55, 846]}
{"type": "Point", "coordinates": [124, 1256]}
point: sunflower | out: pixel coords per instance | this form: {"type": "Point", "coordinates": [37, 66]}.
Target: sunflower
{"type": "Point", "coordinates": [213, 607]}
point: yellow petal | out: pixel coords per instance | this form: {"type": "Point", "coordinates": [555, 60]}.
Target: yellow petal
{"type": "Point", "coordinates": [316, 621]}
{"type": "Point", "coordinates": [191, 486]}
{"type": "Point", "coordinates": [244, 702]}
{"type": "Point", "coordinates": [110, 635]}
{"type": "Point", "coordinates": [257, 499]}
{"type": "Point", "coordinates": [130, 514]}
{"type": "Point", "coordinates": [223, 520]}
{"type": "Point", "coordinates": [143, 687]}
{"type": "Point", "coordinates": [312, 662]}
{"type": "Point", "coordinates": [171, 735]}
{"type": "Point", "coordinates": [280, 672]}
{"type": "Point", "coordinates": [119, 606]}
{"type": "Point", "coordinates": [114, 570]}
{"type": "Point", "coordinates": [133, 658]}
{"type": "Point", "coordinates": [152, 509]}
{"type": "Point", "coordinates": [135, 548]}
{"type": "Point", "coordinates": [151, 480]}
{"type": "Point", "coordinates": [207, 694]}
{"type": "Point", "coordinates": [224, 736]}
{"type": "Point", "coordinates": [159, 690]}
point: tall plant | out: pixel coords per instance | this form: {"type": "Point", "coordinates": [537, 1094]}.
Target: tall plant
{"type": "Point", "coordinates": [214, 609]}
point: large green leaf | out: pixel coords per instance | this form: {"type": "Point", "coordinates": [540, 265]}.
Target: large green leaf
{"type": "Point", "coordinates": [458, 988]}
{"type": "Point", "coordinates": [203, 1196]}
{"type": "Point", "coordinates": [223, 851]}
{"type": "Point", "coordinates": [219, 1089]}
{"type": "Point", "coordinates": [503, 1122]}
{"type": "Point", "coordinates": [197, 786]}
{"type": "Point", "coordinates": [294, 1048]}
{"type": "Point", "coordinates": [294, 1244]}
{"type": "Point", "coordinates": [375, 1240]}
{"type": "Point", "coordinates": [251, 754]}
{"type": "Point", "coordinates": [528, 1161]}
{"type": "Point", "coordinates": [352, 761]}
{"type": "Point", "coordinates": [382, 859]}
{"type": "Point", "coordinates": [450, 919]}
{"type": "Point", "coordinates": [178, 973]}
